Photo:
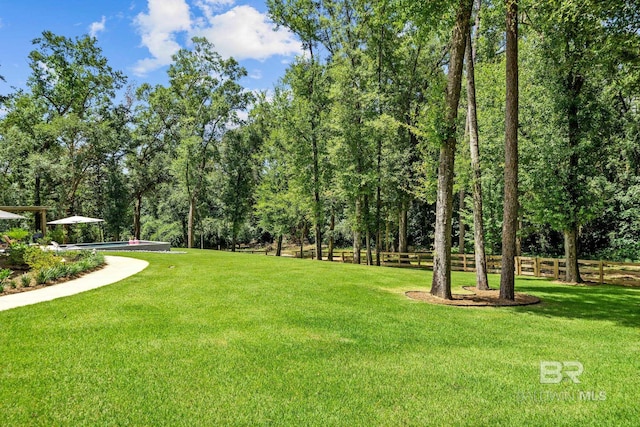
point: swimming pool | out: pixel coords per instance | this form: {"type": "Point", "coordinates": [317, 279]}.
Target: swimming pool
{"type": "Point", "coordinates": [141, 245]}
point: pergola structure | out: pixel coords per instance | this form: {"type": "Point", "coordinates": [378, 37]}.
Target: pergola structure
{"type": "Point", "coordinates": [39, 209]}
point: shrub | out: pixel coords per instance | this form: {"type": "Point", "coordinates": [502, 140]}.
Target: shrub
{"type": "Point", "coordinates": [25, 280]}
{"type": "Point", "coordinates": [86, 261]}
{"type": "Point", "coordinates": [4, 274]}
{"type": "Point", "coordinates": [16, 254]}
{"type": "Point", "coordinates": [43, 276]}
{"type": "Point", "coordinates": [18, 234]}
{"type": "Point", "coordinates": [37, 259]}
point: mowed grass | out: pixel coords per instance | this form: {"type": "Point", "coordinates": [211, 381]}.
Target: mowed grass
{"type": "Point", "coordinates": [212, 338]}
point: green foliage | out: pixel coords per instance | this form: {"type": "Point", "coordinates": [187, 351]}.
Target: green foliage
{"type": "Point", "coordinates": [56, 235]}
{"type": "Point", "coordinates": [38, 259]}
{"type": "Point", "coordinates": [16, 254]}
{"type": "Point", "coordinates": [43, 276]}
{"type": "Point", "coordinates": [18, 234]}
{"type": "Point", "coordinates": [84, 261]}
{"type": "Point", "coordinates": [4, 275]}
{"type": "Point", "coordinates": [25, 280]}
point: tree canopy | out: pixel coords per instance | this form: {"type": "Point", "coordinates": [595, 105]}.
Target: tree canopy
{"type": "Point", "coordinates": [358, 144]}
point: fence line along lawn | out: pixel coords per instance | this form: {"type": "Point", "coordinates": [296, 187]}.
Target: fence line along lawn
{"type": "Point", "coordinates": [215, 338]}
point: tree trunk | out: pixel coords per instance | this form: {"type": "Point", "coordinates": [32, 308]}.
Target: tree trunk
{"type": "Point", "coordinates": [318, 232]}
{"type": "Point", "coordinates": [403, 244]}
{"type": "Point", "coordinates": [574, 86]}
{"type": "Point", "coordinates": [332, 226]}
{"type": "Point", "coordinates": [510, 215]}
{"type": "Point", "coordinates": [279, 246]}
{"type": "Point", "coordinates": [386, 239]}
{"type": "Point", "coordinates": [441, 283]}
{"type": "Point", "coordinates": [461, 226]}
{"type": "Point", "coordinates": [356, 233]}
{"type": "Point", "coordinates": [302, 233]}
{"type": "Point", "coordinates": [137, 211]}
{"type": "Point", "coordinates": [378, 218]}
{"type": "Point", "coordinates": [571, 255]}
{"type": "Point", "coordinates": [191, 222]}
{"type": "Point", "coordinates": [367, 224]}
{"type": "Point", "coordinates": [317, 208]}
{"type": "Point", "coordinates": [519, 237]}
{"type": "Point", "coordinates": [234, 240]}
{"type": "Point", "coordinates": [37, 202]}
{"type": "Point", "coordinates": [478, 222]}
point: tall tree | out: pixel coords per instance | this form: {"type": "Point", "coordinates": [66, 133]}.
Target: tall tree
{"type": "Point", "coordinates": [208, 99]}
{"type": "Point", "coordinates": [472, 120]}
{"type": "Point", "coordinates": [510, 215]}
{"type": "Point", "coordinates": [441, 284]}
{"type": "Point", "coordinates": [152, 144]}
{"type": "Point", "coordinates": [307, 126]}
{"type": "Point", "coordinates": [237, 177]}
{"type": "Point", "coordinates": [75, 84]}
{"type": "Point", "coordinates": [579, 48]}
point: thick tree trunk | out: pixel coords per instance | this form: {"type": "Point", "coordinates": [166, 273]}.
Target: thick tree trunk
{"type": "Point", "coordinates": [441, 283]}
{"type": "Point", "coordinates": [510, 215]}
{"type": "Point", "coordinates": [574, 86]}
{"type": "Point", "coordinates": [403, 244]}
{"type": "Point", "coordinates": [191, 222]}
{"type": "Point", "coordinates": [279, 246]}
{"type": "Point", "coordinates": [478, 223]}
{"type": "Point", "coordinates": [461, 226]}
{"type": "Point", "coordinates": [571, 255]}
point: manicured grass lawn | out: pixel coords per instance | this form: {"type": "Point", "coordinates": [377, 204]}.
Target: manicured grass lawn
{"type": "Point", "coordinates": [212, 338]}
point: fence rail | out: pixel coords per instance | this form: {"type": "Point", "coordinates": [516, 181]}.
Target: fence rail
{"type": "Point", "coordinates": [598, 271]}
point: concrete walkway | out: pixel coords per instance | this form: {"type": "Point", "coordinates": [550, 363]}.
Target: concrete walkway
{"type": "Point", "coordinates": [117, 268]}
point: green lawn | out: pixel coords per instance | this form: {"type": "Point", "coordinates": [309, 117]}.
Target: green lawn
{"type": "Point", "coordinates": [213, 338]}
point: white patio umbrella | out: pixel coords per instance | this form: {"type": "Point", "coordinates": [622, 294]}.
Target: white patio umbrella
{"type": "Point", "coordinates": [75, 220]}
{"type": "Point", "coordinates": [9, 215]}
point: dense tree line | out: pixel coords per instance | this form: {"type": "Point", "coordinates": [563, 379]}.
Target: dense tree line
{"type": "Point", "coordinates": [393, 108]}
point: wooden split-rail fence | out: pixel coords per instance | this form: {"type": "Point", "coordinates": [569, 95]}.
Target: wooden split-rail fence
{"type": "Point", "coordinates": [600, 271]}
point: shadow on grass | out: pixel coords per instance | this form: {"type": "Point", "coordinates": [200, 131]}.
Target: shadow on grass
{"type": "Point", "coordinates": [598, 302]}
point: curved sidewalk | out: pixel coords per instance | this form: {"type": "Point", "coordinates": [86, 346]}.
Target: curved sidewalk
{"type": "Point", "coordinates": [117, 268]}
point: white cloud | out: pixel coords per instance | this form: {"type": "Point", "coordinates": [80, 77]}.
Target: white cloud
{"type": "Point", "coordinates": [245, 33]}
{"type": "Point", "coordinates": [158, 29]}
{"type": "Point", "coordinates": [241, 32]}
{"type": "Point", "coordinates": [97, 27]}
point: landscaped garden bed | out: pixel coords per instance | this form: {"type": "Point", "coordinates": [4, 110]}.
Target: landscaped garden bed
{"type": "Point", "coordinates": [24, 268]}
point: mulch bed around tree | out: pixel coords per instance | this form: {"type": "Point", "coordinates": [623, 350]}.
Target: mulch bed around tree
{"type": "Point", "coordinates": [490, 298]}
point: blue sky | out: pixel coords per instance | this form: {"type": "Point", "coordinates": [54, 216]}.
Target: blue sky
{"type": "Point", "coordinates": [138, 37]}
